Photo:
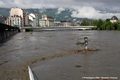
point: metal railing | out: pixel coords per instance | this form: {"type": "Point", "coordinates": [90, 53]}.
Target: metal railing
{"type": "Point", "coordinates": [7, 31]}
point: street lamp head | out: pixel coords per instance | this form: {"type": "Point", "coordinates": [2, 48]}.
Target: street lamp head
{"type": "Point", "coordinates": [86, 38]}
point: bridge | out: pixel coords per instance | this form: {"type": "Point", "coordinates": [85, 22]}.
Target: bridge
{"type": "Point", "coordinates": [7, 32]}
{"type": "Point", "coordinates": [58, 28]}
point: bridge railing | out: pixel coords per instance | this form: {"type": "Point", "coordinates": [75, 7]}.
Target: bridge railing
{"type": "Point", "coordinates": [7, 31]}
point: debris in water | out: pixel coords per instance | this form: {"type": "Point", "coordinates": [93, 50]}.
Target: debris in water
{"type": "Point", "coordinates": [78, 66]}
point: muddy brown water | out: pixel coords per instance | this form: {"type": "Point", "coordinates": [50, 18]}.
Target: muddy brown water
{"type": "Point", "coordinates": [51, 55]}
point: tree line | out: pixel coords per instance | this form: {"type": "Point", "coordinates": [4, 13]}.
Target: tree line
{"type": "Point", "coordinates": [102, 24]}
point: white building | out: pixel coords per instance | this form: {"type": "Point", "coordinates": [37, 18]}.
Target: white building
{"type": "Point", "coordinates": [14, 21]}
{"type": "Point", "coordinates": [15, 18]}
{"type": "Point", "coordinates": [46, 21]}
{"type": "Point", "coordinates": [114, 19]}
{"type": "Point", "coordinates": [16, 11]}
{"type": "Point", "coordinates": [32, 20]}
{"type": "Point", "coordinates": [66, 23]}
{"type": "Point", "coordinates": [57, 24]}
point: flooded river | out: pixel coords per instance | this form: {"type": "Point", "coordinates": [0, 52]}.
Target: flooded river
{"type": "Point", "coordinates": [52, 55]}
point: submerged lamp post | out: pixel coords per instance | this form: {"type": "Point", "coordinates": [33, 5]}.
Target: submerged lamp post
{"type": "Point", "coordinates": [85, 43]}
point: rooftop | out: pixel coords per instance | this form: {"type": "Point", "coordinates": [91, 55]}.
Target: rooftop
{"type": "Point", "coordinates": [114, 18]}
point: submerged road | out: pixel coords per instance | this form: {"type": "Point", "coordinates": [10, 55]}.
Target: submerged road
{"type": "Point", "coordinates": [51, 55]}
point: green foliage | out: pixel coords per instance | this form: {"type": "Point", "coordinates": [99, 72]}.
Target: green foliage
{"type": "Point", "coordinates": [107, 25]}
{"type": "Point", "coordinates": [85, 23]}
{"type": "Point", "coordinates": [99, 24]}
{"type": "Point", "coordinates": [117, 26]}
{"type": "Point", "coordinates": [88, 22]}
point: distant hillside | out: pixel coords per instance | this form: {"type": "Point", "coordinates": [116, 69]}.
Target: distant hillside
{"type": "Point", "coordinates": [4, 11]}
{"type": "Point", "coordinates": [57, 13]}
{"type": "Point", "coordinates": [64, 14]}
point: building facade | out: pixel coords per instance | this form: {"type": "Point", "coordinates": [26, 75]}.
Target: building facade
{"type": "Point", "coordinates": [25, 19]}
{"type": "Point", "coordinates": [46, 21]}
{"type": "Point", "coordinates": [32, 20]}
{"type": "Point", "coordinates": [114, 19]}
{"type": "Point", "coordinates": [66, 23]}
{"type": "Point", "coordinates": [16, 18]}
{"type": "Point", "coordinates": [16, 11]}
{"type": "Point", "coordinates": [2, 19]}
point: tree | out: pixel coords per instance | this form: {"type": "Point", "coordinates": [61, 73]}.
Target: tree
{"type": "Point", "coordinates": [99, 24]}
{"type": "Point", "coordinates": [108, 25]}
{"type": "Point", "coordinates": [85, 23]}
{"type": "Point", "coordinates": [118, 26]}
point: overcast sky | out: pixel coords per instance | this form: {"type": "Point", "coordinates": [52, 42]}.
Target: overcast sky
{"type": "Point", "coordinates": [93, 7]}
{"type": "Point", "coordinates": [60, 3]}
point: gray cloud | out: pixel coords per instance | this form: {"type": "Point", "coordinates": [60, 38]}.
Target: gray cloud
{"type": "Point", "coordinates": [60, 3]}
{"type": "Point", "coordinates": [100, 4]}
{"type": "Point", "coordinates": [99, 8]}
